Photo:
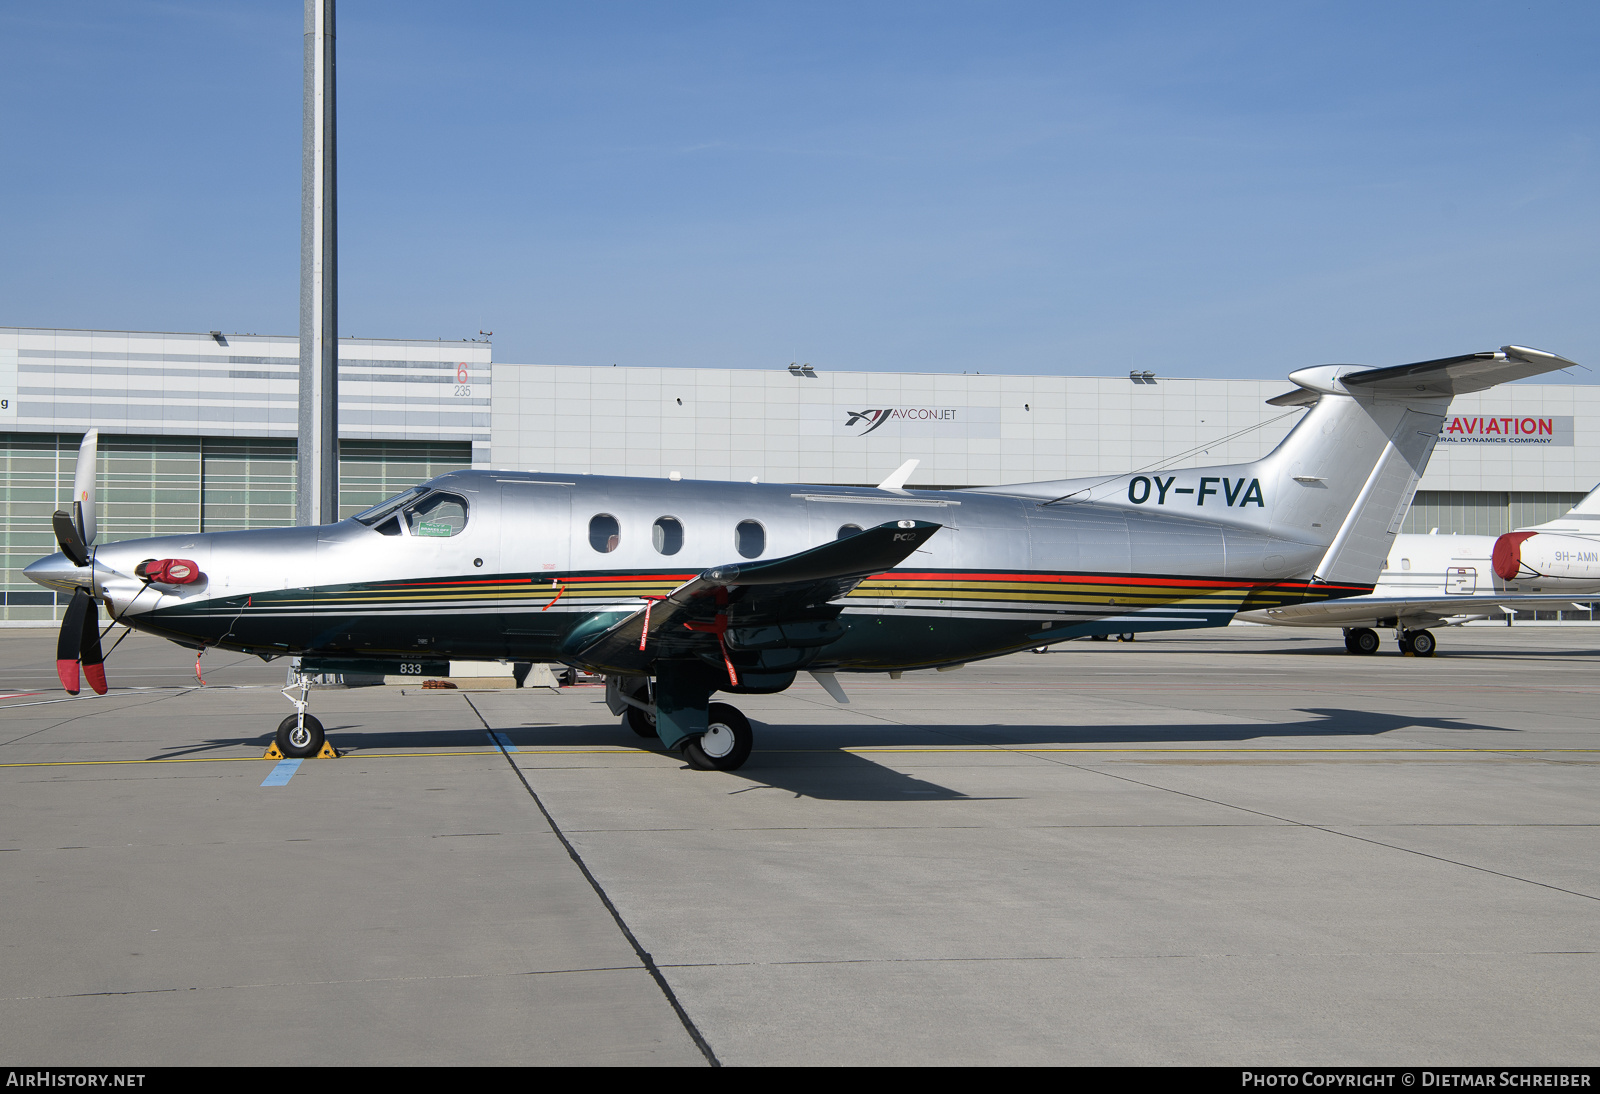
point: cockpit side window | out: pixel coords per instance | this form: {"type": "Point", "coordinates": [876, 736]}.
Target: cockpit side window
{"type": "Point", "coordinates": [439, 514]}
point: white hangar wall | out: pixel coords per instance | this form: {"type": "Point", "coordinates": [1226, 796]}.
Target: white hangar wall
{"type": "Point", "coordinates": [982, 430]}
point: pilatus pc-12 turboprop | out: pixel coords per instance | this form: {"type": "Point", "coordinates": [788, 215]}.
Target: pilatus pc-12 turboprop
{"type": "Point", "coordinates": [677, 590]}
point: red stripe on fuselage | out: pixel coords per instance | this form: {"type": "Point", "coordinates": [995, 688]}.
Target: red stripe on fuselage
{"type": "Point", "coordinates": [1091, 579]}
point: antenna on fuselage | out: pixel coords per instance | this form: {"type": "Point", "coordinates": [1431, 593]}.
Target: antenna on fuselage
{"type": "Point", "coordinates": [897, 481]}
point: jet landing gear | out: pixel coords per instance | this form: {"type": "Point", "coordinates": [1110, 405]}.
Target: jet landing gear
{"type": "Point", "coordinates": [1362, 640]}
{"type": "Point", "coordinates": [1417, 643]}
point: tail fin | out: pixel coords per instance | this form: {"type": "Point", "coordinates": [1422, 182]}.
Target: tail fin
{"type": "Point", "coordinates": [1392, 417]}
{"type": "Point", "coordinates": [1343, 478]}
{"type": "Point", "coordinates": [1582, 519]}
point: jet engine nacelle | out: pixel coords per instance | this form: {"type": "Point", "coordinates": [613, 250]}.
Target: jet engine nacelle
{"type": "Point", "coordinates": [1551, 557]}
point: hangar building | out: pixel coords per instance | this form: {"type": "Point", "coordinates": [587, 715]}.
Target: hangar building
{"type": "Point", "coordinates": [198, 431]}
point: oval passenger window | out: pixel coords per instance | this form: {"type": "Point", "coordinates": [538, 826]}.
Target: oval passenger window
{"type": "Point", "coordinates": [604, 533]}
{"type": "Point", "coordinates": [750, 538]}
{"type": "Point", "coordinates": [847, 530]}
{"type": "Point", "coordinates": [667, 536]}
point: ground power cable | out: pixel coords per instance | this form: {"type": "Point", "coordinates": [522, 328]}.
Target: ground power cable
{"type": "Point", "coordinates": [644, 956]}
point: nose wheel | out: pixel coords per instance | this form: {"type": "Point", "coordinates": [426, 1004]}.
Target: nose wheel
{"type": "Point", "coordinates": [725, 745]}
{"type": "Point", "coordinates": [299, 737]}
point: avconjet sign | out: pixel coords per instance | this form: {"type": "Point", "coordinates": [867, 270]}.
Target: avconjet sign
{"type": "Point", "coordinates": [1507, 429]}
{"type": "Point", "coordinates": [860, 420]}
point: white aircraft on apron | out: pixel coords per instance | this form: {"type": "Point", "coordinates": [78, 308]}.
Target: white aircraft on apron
{"type": "Point", "coordinates": [1448, 580]}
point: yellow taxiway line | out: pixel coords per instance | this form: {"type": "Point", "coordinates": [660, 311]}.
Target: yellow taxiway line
{"type": "Point", "coordinates": [1004, 749]}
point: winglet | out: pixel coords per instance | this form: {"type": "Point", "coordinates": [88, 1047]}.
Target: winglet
{"type": "Point", "coordinates": [897, 481]}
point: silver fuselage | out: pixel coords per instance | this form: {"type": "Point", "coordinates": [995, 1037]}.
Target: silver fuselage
{"type": "Point", "coordinates": [1004, 571]}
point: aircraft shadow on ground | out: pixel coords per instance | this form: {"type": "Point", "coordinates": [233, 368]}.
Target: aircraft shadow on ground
{"type": "Point", "coordinates": [814, 761]}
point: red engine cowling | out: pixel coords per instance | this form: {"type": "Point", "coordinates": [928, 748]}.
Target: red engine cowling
{"type": "Point", "coordinates": [168, 571]}
{"type": "Point", "coordinates": [1507, 556]}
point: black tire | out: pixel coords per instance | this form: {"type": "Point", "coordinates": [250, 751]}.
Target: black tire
{"type": "Point", "coordinates": [1404, 642]}
{"type": "Point", "coordinates": [1364, 641]}
{"type": "Point", "coordinates": [1350, 644]}
{"type": "Point", "coordinates": [1128, 637]}
{"type": "Point", "coordinates": [298, 744]}
{"type": "Point", "coordinates": [722, 754]}
{"type": "Point", "coordinates": [1422, 643]}
{"type": "Point", "coordinates": [1099, 638]}
{"type": "Point", "coordinates": [641, 722]}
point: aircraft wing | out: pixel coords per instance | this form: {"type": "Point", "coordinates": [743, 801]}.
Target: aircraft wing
{"type": "Point", "coordinates": [1365, 611]}
{"type": "Point", "coordinates": [786, 595]}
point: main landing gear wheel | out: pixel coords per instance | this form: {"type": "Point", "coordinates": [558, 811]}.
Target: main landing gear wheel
{"type": "Point", "coordinates": [725, 745]}
{"type": "Point", "coordinates": [1421, 643]}
{"type": "Point", "coordinates": [297, 740]}
{"type": "Point", "coordinates": [1362, 640]}
{"type": "Point", "coordinates": [641, 722]}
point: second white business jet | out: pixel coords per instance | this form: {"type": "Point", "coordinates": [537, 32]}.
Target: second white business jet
{"type": "Point", "coordinates": [1435, 580]}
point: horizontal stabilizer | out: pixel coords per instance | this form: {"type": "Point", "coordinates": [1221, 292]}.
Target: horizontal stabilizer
{"type": "Point", "coordinates": [1456, 375]}
{"type": "Point", "coordinates": [1439, 379]}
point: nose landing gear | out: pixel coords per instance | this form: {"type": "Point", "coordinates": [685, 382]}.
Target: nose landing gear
{"type": "Point", "coordinates": [300, 735]}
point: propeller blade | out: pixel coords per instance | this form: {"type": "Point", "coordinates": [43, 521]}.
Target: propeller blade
{"type": "Point", "coordinates": [68, 538]}
{"type": "Point", "coordinates": [83, 481]}
{"type": "Point", "coordinates": [69, 645]}
{"type": "Point", "coordinates": [94, 669]}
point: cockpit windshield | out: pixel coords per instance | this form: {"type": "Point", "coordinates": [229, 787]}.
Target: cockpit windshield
{"type": "Point", "coordinates": [384, 508]}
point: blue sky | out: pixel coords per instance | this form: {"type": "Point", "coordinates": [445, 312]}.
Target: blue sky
{"type": "Point", "coordinates": [1200, 190]}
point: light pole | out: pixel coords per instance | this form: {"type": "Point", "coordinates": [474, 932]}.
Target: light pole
{"type": "Point", "coordinates": [317, 467]}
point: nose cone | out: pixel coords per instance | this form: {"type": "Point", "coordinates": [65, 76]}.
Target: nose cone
{"type": "Point", "coordinates": [58, 572]}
